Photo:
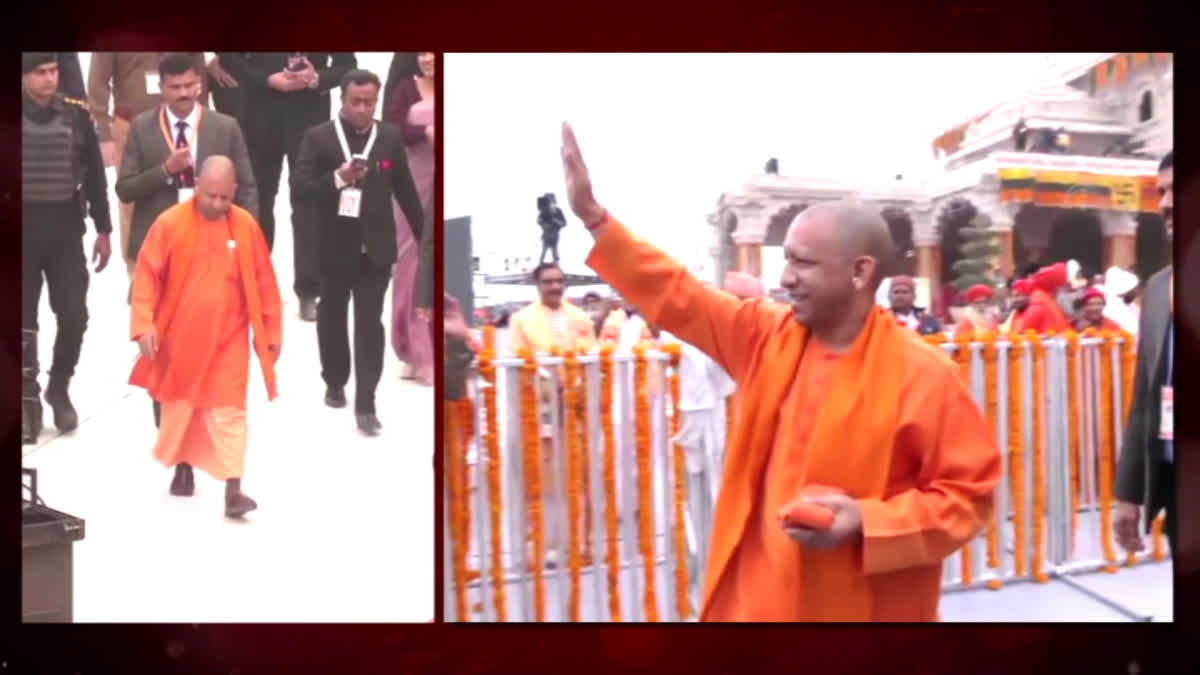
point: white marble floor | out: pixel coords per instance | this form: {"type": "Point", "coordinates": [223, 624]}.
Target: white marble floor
{"type": "Point", "coordinates": [344, 530]}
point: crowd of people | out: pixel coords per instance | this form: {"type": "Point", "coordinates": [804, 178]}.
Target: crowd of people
{"type": "Point", "coordinates": [197, 188]}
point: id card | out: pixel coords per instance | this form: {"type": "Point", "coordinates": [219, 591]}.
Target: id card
{"type": "Point", "coordinates": [1166, 420]}
{"type": "Point", "coordinates": [350, 203]}
{"type": "Point", "coordinates": [185, 194]}
{"type": "Point", "coordinates": [152, 80]}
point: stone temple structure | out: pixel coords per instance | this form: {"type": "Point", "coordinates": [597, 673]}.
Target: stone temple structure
{"type": "Point", "coordinates": [1083, 186]}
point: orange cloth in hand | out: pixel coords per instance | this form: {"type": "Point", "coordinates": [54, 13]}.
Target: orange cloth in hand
{"type": "Point", "coordinates": [805, 514]}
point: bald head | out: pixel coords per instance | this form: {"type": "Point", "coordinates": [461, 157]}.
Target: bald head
{"type": "Point", "coordinates": [218, 167]}
{"type": "Point", "coordinates": [836, 255]}
{"type": "Point", "coordinates": [216, 186]}
{"type": "Point", "coordinates": [854, 231]}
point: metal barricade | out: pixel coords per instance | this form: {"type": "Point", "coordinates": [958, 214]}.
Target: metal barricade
{"type": "Point", "coordinates": [1029, 539]}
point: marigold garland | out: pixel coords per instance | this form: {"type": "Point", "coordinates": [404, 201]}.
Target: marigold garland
{"type": "Point", "coordinates": [962, 354]}
{"type": "Point", "coordinates": [1106, 451]}
{"type": "Point", "coordinates": [989, 354]}
{"type": "Point", "coordinates": [491, 441]}
{"type": "Point", "coordinates": [1016, 449]}
{"type": "Point", "coordinates": [1156, 532]}
{"type": "Point", "coordinates": [489, 339]}
{"type": "Point", "coordinates": [1039, 469]}
{"type": "Point", "coordinates": [1073, 428]}
{"type": "Point", "coordinates": [644, 475]}
{"type": "Point", "coordinates": [457, 539]}
{"type": "Point", "coordinates": [679, 489]}
{"type": "Point", "coordinates": [612, 560]}
{"type": "Point", "coordinates": [532, 440]}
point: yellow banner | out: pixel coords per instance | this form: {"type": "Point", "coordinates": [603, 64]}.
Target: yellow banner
{"type": "Point", "coordinates": [1125, 193]}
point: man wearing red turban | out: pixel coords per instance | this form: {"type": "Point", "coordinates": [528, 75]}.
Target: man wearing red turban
{"type": "Point", "coordinates": [977, 317]}
{"type": "Point", "coordinates": [1044, 314]}
{"type": "Point", "coordinates": [1021, 289]}
{"type": "Point", "coordinates": [1091, 315]}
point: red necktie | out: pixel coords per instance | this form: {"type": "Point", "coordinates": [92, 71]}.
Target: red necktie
{"type": "Point", "coordinates": [187, 177]}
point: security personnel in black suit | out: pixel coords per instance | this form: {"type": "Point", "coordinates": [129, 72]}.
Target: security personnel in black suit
{"type": "Point", "coordinates": [62, 172]}
{"type": "Point", "coordinates": [351, 200]}
{"type": "Point", "coordinates": [284, 95]}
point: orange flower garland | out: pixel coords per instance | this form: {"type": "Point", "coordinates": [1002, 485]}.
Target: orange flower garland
{"type": "Point", "coordinates": [1156, 533]}
{"type": "Point", "coordinates": [1039, 470]}
{"type": "Point", "coordinates": [531, 440]}
{"type": "Point", "coordinates": [1073, 427]}
{"type": "Point", "coordinates": [612, 561]}
{"type": "Point", "coordinates": [489, 339]}
{"type": "Point", "coordinates": [573, 504]}
{"type": "Point", "coordinates": [467, 420]}
{"type": "Point", "coordinates": [1016, 449]}
{"type": "Point", "coordinates": [962, 354]}
{"type": "Point", "coordinates": [679, 491]}
{"type": "Point", "coordinates": [491, 440]}
{"type": "Point", "coordinates": [645, 496]}
{"type": "Point", "coordinates": [585, 446]}
{"type": "Point", "coordinates": [989, 385]}
{"type": "Point", "coordinates": [458, 553]}
{"type": "Point", "coordinates": [1106, 451]}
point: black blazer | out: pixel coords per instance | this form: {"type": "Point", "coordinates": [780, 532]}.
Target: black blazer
{"type": "Point", "coordinates": [313, 187]}
{"type": "Point", "coordinates": [1140, 461]}
{"type": "Point", "coordinates": [294, 110]}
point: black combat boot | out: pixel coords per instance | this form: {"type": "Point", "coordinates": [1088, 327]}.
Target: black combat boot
{"type": "Point", "coordinates": [65, 417]}
{"type": "Point", "coordinates": [31, 404]}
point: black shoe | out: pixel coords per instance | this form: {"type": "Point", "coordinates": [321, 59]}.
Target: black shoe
{"type": "Point", "coordinates": [238, 505]}
{"type": "Point", "coordinates": [369, 424]}
{"type": "Point", "coordinates": [31, 420]}
{"type": "Point", "coordinates": [65, 417]}
{"type": "Point", "coordinates": [335, 397]}
{"type": "Point", "coordinates": [308, 309]}
{"type": "Point", "coordinates": [184, 483]}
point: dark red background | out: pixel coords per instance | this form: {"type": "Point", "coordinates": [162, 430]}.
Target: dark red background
{"type": "Point", "coordinates": [631, 26]}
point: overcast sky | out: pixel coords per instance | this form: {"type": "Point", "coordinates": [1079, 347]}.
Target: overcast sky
{"type": "Point", "coordinates": [666, 134]}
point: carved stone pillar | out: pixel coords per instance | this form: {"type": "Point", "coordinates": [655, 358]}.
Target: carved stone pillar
{"type": "Point", "coordinates": [1120, 239]}
{"type": "Point", "coordinates": [928, 244]}
{"type": "Point", "coordinates": [749, 237]}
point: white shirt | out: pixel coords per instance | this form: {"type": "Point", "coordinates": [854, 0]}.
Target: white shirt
{"type": "Point", "coordinates": [702, 383]}
{"type": "Point", "coordinates": [189, 131]}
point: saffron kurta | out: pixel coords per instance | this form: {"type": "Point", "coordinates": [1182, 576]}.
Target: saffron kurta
{"type": "Point", "coordinates": [890, 422]}
{"type": "Point", "coordinates": [201, 284]}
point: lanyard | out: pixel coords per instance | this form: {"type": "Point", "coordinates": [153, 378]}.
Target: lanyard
{"type": "Point", "coordinates": [1171, 353]}
{"type": "Point", "coordinates": [191, 137]}
{"type": "Point", "coordinates": [341, 134]}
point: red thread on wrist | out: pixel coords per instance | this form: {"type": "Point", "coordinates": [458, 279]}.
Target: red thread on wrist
{"type": "Point", "coordinates": [598, 223]}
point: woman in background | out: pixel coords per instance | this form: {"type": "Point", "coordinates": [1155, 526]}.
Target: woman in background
{"type": "Point", "coordinates": [412, 112]}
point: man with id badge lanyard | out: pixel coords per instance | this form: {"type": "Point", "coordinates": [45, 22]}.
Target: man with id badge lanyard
{"type": "Point", "coordinates": [1146, 465]}
{"type": "Point", "coordinates": [131, 81]}
{"type": "Point", "coordinates": [167, 142]}
{"type": "Point", "coordinates": [345, 175]}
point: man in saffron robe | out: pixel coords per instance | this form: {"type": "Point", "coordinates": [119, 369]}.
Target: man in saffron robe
{"type": "Point", "coordinates": [203, 278]}
{"type": "Point", "coordinates": [1021, 288]}
{"type": "Point", "coordinates": [1045, 315]}
{"type": "Point", "coordinates": [977, 316]}
{"type": "Point", "coordinates": [838, 394]}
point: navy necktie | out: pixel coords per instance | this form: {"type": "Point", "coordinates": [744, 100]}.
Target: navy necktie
{"type": "Point", "coordinates": [187, 177]}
